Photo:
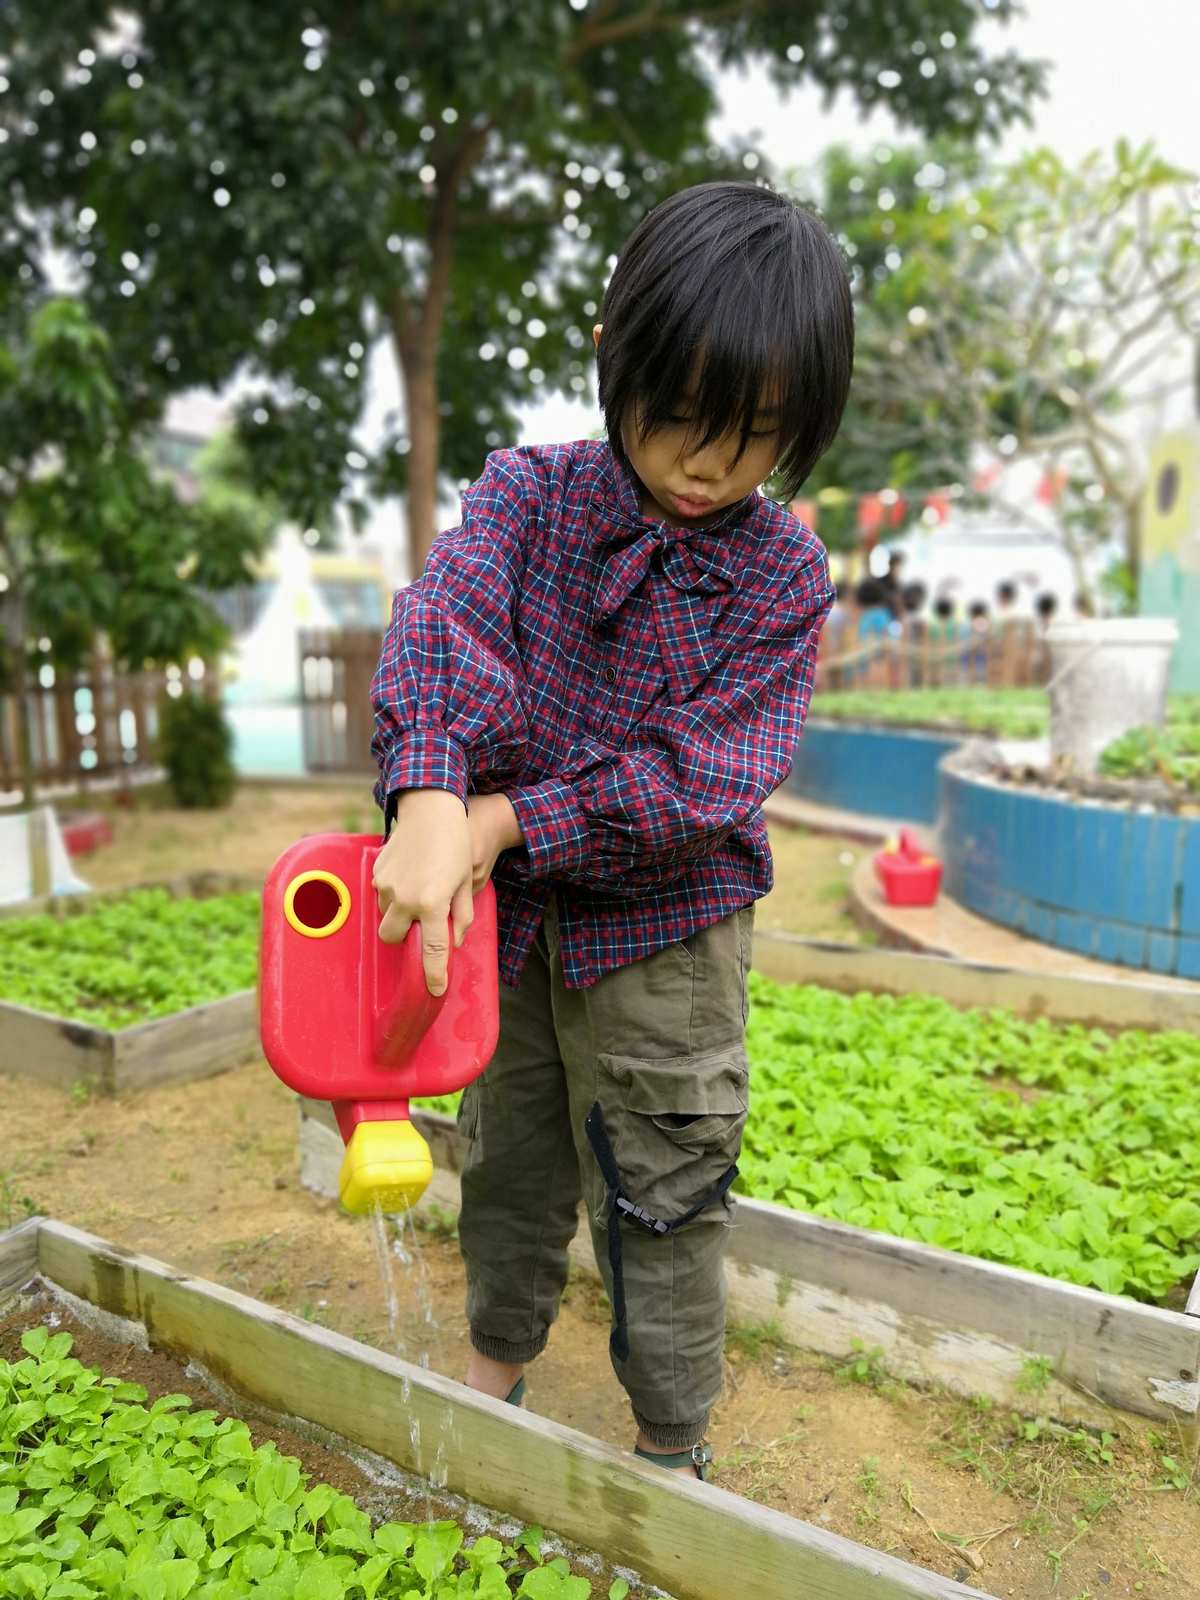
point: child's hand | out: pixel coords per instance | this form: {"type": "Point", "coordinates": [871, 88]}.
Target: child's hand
{"type": "Point", "coordinates": [493, 826]}
{"type": "Point", "coordinates": [423, 874]}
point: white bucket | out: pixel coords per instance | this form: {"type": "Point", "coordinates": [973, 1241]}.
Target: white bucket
{"type": "Point", "coordinates": [1108, 674]}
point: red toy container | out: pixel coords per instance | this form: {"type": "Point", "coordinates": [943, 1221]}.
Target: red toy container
{"type": "Point", "coordinates": [347, 1018]}
{"type": "Point", "coordinates": [910, 877]}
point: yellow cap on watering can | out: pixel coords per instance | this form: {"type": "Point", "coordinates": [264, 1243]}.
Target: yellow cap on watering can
{"type": "Point", "coordinates": [387, 1165]}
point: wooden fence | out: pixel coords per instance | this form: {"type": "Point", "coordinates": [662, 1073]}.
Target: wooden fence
{"type": "Point", "coordinates": [1010, 654]}
{"type": "Point", "coordinates": [337, 665]}
{"type": "Point", "coordinates": [93, 724]}
{"type": "Point", "coordinates": [336, 668]}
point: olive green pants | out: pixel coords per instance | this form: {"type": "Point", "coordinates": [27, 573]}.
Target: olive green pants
{"type": "Point", "coordinates": [660, 1044]}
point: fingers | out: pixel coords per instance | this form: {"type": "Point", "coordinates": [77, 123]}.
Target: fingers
{"type": "Point", "coordinates": [435, 954]}
{"type": "Point", "coordinates": [393, 929]}
{"type": "Point", "coordinates": [462, 911]}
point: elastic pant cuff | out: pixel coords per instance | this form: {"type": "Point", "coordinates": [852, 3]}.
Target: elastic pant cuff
{"type": "Point", "coordinates": [671, 1435]}
{"type": "Point", "coordinates": [507, 1349]}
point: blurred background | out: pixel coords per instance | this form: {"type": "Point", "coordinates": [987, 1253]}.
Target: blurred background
{"type": "Point", "coordinates": [271, 289]}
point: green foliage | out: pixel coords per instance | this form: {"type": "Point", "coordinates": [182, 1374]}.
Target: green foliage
{"type": "Point", "coordinates": [195, 745]}
{"type": "Point", "coordinates": [1051, 1147]}
{"type": "Point", "coordinates": [1010, 713]}
{"type": "Point", "coordinates": [103, 1495]}
{"type": "Point", "coordinates": [1171, 753]}
{"type": "Point", "coordinates": [123, 961]}
{"type": "Point", "coordinates": [313, 167]}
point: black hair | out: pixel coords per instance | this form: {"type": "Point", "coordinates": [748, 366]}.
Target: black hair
{"type": "Point", "coordinates": [896, 559]}
{"type": "Point", "coordinates": [726, 298]}
{"type": "Point", "coordinates": [943, 607]}
{"type": "Point", "coordinates": [1006, 593]}
{"type": "Point", "coordinates": [1046, 604]}
{"type": "Point", "coordinates": [978, 608]}
{"type": "Point", "coordinates": [913, 596]}
{"type": "Point", "coordinates": [870, 592]}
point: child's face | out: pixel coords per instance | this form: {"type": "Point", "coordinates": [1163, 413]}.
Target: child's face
{"type": "Point", "coordinates": [687, 484]}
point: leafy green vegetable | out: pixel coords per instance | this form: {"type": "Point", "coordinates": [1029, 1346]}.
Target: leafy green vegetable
{"type": "Point", "coordinates": [1052, 1147]}
{"type": "Point", "coordinates": [104, 1496]}
{"type": "Point", "coordinates": [1171, 753]}
{"type": "Point", "coordinates": [1008, 713]}
{"type": "Point", "coordinates": [122, 961]}
{"type": "Point", "coordinates": [1011, 713]}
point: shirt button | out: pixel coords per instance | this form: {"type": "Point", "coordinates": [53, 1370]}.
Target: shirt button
{"type": "Point", "coordinates": [610, 674]}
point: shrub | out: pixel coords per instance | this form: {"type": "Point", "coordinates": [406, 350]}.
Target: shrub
{"type": "Point", "coordinates": [195, 745]}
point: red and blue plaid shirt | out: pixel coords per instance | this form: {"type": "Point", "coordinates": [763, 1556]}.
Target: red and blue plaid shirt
{"type": "Point", "coordinates": [636, 689]}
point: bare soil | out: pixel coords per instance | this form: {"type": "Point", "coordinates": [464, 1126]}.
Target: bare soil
{"type": "Point", "coordinates": [204, 1175]}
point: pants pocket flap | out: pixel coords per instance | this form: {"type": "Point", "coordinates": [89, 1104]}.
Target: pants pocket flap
{"type": "Point", "coordinates": [710, 1084]}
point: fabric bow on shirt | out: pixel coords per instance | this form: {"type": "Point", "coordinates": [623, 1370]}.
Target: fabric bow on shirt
{"type": "Point", "coordinates": [695, 566]}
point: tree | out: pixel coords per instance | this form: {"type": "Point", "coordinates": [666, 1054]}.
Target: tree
{"type": "Point", "coordinates": [92, 543]}
{"type": "Point", "coordinates": [267, 189]}
{"type": "Point", "coordinates": [881, 205]}
{"type": "Point", "coordinates": [1030, 319]}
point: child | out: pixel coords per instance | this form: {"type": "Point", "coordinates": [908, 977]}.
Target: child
{"type": "Point", "coordinates": [601, 675]}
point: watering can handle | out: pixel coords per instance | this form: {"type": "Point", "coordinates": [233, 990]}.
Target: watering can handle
{"type": "Point", "coordinates": [404, 1022]}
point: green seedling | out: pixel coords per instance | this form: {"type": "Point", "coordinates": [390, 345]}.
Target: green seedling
{"type": "Point", "coordinates": [102, 1493]}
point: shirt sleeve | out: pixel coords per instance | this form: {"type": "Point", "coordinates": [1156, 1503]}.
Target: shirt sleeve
{"type": "Point", "coordinates": [628, 822]}
{"type": "Point", "coordinates": [449, 693]}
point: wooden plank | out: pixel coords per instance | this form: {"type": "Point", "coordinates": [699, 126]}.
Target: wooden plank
{"type": "Point", "coordinates": [18, 1256]}
{"type": "Point", "coordinates": [187, 1044]}
{"type": "Point", "coordinates": [694, 1539]}
{"type": "Point", "coordinates": [936, 1315]}
{"type": "Point", "coordinates": [1096, 1002]}
{"type": "Point", "coordinates": [954, 1312]}
{"type": "Point", "coordinates": [34, 1044]}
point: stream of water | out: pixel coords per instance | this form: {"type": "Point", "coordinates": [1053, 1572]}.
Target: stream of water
{"type": "Point", "coordinates": [405, 1278]}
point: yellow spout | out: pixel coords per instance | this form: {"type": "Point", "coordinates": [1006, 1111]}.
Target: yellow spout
{"type": "Point", "coordinates": [386, 1163]}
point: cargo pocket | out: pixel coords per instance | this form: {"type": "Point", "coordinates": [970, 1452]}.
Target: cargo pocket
{"type": "Point", "coordinates": [675, 1125]}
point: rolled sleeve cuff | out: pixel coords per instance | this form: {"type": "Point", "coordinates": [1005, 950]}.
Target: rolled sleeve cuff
{"type": "Point", "coordinates": [427, 758]}
{"type": "Point", "coordinates": [554, 828]}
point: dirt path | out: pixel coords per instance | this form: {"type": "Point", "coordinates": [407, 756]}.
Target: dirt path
{"type": "Point", "coordinates": [812, 871]}
{"type": "Point", "coordinates": [204, 1176]}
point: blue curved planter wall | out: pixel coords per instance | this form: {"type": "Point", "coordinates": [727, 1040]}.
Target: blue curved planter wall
{"type": "Point", "coordinates": [883, 772]}
{"type": "Point", "coordinates": [1089, 877]}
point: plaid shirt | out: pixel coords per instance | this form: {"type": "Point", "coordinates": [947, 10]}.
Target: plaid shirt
{"type": "Point", "coordinates": [636, 689]}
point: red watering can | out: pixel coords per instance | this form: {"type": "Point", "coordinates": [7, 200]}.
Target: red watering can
{"type": "Point", "coordinates": [910, 876]}
{"type": "Point", "coordinates": [347, 1018]}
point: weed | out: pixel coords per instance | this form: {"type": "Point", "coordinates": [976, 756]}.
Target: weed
{"type": "Point", "coordinates": [81, 1091]}
{"type": "Point", "coordinates": [755, 1341]}
{"type": "Point", "coordinates": [864, 1366]}
{"type": "Point", "coordinates": [277, 1289]}
{"type": "Point", "coordinates": [14, 1207]}
{"type": "Point", "coordinates": [784, 1289]}
{"type": "Point", "coordinates": [868, 1477]}
{"type": "Point", "coordinates": [1036, 1373]}
{"type": "Point", "coordinates": [435, 1221]}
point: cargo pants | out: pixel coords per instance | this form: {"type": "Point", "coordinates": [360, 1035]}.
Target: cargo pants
{"type": "Point", "coordinates": [660, 1045]}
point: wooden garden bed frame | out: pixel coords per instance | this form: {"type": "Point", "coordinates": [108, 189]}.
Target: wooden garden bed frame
{"type": "Point", "coordinates": [171, 1049]}
{"type": "Point", "coordinates": [221, 1033]}
{"type": "Point", "coordinates": [937, 1316]}
{"type": "Point", "coordinates": [695, 1540]}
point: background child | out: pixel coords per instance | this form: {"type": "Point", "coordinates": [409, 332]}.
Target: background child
{"type": "Point", "coordinates": [601, 675]}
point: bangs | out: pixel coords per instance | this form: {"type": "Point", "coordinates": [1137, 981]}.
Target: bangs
{"type": "Point", "coordinates": [729, 306]}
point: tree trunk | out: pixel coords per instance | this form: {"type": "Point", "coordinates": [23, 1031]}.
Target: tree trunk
{"type": "Point", "coordinates": [419, 371]}
{"type": "Point", "coordinates": [417, 334]}
{"type": "Point", "coordinates": [1133, 544]}
{"type": "Point", "coordinates": [20, 689]}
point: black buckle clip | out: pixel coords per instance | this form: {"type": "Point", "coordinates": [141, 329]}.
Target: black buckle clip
{"type": "Point", "coordinates": [641, 1217]}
